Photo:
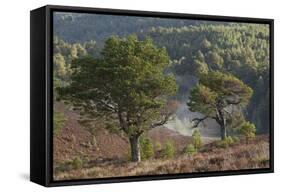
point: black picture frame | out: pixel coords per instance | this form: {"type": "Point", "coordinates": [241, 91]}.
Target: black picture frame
{"type": "Point", "coordinates": [41, 101]}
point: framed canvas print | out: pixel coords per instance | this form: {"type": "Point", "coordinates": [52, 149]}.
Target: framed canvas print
{"type": "Point", "coordinates": [119, 95]}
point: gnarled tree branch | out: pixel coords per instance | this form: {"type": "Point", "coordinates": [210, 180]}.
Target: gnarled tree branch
{"type": "Point", "coordinates": [162, 122]}
{"type": "Point", "coordinates": [198, 121]}
{"type": "Point", "coordinates": [108, 106]}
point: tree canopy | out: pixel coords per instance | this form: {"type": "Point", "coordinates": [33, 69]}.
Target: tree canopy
{"type": "Point", "coordinates": [126, 85]}
{"type": "Point", "coordinates": [215, 97]}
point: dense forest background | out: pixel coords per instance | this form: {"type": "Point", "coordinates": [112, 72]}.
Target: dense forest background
{"type": "Point", "coordinates": [241, 49]}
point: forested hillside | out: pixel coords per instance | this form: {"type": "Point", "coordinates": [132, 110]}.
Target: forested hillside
{"type": "Point", "coordinates": [239, 49]}
{"type": "Point", "coordinates": [194, 47]}
{"type": "Point", "coordinates": [85, 27]}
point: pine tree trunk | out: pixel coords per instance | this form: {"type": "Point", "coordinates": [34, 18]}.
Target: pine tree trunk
{"type": "Point", "coordinates": [135, 148]}
{"type": "Point", "coordinates": [223, 131]}
{"type": "Point", "coordinates": [222, 122]}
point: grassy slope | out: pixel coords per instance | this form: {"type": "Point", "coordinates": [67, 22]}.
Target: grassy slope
{"type": "Point", "coordinates": [109, 156]}
{"type": "Point", "coordinates": [237, 157]}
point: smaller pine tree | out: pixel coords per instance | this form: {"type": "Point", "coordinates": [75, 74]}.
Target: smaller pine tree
{"type": "Point", "coordinates": [158, 146]}
{"type": "Point", "coordinates": [168, 151]}
{"type": "Point", "coordinates": [196, 139]}
{"type": "Point", "coordinates": [248, 130]}
{"type": "Point", "coordinates": [147, 151]}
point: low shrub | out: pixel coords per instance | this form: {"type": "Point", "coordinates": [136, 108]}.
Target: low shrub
{"type": "Point", "coordinates": [77, 163]}
{"type": "Point", "coordinates": [236, 139]}
{"type": "Point", "coordinates": [225, 143]}
{"type": "Point", "coordinates": [229, 140]}
{"type": "Point", "coordinates": [190, 150]}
